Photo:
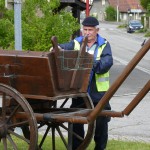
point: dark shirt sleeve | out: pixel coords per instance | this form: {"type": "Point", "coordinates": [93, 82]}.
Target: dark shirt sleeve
{"type": "Point", "coordinates": [106, 61]}
{"type": "Point", "coordinates": [67, 46]}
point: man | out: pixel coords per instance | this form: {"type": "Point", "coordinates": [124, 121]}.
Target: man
{"type": "Point", "coordinates": [99, 78]}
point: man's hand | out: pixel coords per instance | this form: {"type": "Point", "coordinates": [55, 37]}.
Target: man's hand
{"type": "Point", "coordinates": [51, 49]}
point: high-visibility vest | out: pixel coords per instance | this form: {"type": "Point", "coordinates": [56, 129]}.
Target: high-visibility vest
{"type": "Point", "coordinates": [102, 80]}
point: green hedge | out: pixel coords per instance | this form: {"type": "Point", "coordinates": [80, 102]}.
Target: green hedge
{"type": "Point", "coordinates": [40, 21]}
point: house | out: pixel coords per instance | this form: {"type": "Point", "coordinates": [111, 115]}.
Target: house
{"type": "Point", "coordinates": [77, 6]}
{"type": "Point", "coordinates": [126, 9]}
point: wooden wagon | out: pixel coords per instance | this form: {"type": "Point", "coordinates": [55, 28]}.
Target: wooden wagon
{"type": "Point", "coordinates": [46, 81]}
{"type": "Point", "coordinates": [35, 93]}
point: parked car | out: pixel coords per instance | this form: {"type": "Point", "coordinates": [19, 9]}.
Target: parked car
{"type": "Point", "coordinates": [134, 25]}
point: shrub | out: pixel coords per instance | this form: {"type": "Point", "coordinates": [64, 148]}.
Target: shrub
{"type": "Point", "coordinates": [40, 21]}
{"type": "Point", "coordinates": [110, 13]}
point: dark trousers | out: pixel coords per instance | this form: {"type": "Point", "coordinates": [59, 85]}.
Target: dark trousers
{"type": "Point", "coordinates": [101, 131]}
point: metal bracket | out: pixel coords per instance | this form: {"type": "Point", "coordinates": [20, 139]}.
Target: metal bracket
{"type": "Point", "coordinates": [17, 1]}
{"type": "Point", "coordinates": [14, 1]}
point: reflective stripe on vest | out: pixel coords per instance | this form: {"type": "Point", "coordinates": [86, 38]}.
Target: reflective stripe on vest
{"type": "Point", "coordinates": [76, 45]}
{"type": "Point", "coordinates": [102, 80]}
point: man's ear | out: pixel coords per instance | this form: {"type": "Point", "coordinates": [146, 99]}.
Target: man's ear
{"type": "Point", "coordinates": [97, 29]}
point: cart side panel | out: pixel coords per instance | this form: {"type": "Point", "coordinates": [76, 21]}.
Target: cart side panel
{"type": "Point", "coordinates": [38, 75]}
{"type": "Point", "coordinates": [29, 75]}
{"type": "Point", "coordinates": [64, 75]}
{"type": "Point", "coordinates": [69, 76]}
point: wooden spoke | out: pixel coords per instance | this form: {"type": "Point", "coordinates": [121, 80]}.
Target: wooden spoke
{"type": "Point", "coordinates": [61, 135]}
{"type": "Point", "coordinates": [64, 127]}
{"type": "Point", "coordinates": [19, 136]}
{"type": "Point", "coordinates": [12, 114]}
{"type": "Point", "coordinates": [42, 141]}
{"type": "Point", "coordinates": [4, 143]}
{"type": "Point", "coordinates": [65, 101]}
{"type": "Point", "coordinates": [12, 142]}
{"type": "Point", "coordinates": [53, 138]}
{"type": "Point", "coordinates": [18, 124]}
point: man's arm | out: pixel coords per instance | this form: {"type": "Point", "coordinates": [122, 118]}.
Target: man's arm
{"type": "Point", "coordinates": [67, 46]}
{"type": "Point", "coordinates": [106, 61]}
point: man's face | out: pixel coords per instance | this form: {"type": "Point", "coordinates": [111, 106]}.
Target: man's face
{"type": "Point", "coordinates": [91, 32]}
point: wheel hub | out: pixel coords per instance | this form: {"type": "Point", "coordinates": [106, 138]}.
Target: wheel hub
{"type": "Point", "coordinates": [3, 129]}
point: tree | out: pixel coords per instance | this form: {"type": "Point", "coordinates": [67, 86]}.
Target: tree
{"type": "Point", "coordinates": [110, 13]}
{"type": "Point", "coordinates": [6, 27]}
{"type": "Point", "coordinates": [39, 23]}
{"type": "Point", "coordinates": [2, 3]}
{"type": "Point", "coordinates": [144, 3]}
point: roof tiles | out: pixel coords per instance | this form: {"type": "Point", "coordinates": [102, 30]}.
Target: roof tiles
{"type": "Point", "coordinates": [125, 5]}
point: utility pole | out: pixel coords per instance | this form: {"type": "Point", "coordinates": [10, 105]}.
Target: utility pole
{"type": "Point", "coordinates": [87, 8]}
{"type": "Point", "coordinates": [16, 5]}
{"type": "Point", "coordinates": [117, 10]}
{"type": "Point", "coordinates": [17, 22]}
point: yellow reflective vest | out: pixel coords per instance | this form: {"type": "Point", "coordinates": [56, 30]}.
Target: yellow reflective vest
{"type": "Point", "coordinates": [102, 80]}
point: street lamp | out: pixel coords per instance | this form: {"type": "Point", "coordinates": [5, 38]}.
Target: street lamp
{"type": "Point", "coordinates": [128, 13]}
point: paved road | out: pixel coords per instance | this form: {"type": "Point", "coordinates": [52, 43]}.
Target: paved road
{"type": "Point", "coordinates": [136, 126]}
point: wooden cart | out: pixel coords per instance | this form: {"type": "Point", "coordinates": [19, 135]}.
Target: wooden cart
{"type": "Point", "coordinates": [35, 93]}
{"type": "Point", "coordinates": [35, 86]}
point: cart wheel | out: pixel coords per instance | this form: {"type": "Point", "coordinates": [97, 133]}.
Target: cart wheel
{"type": "Point", "coordinates": [90, 127]}
{"type": "Point", "coordinates": [64, 130]}
{"type": "Point", "coordinates": [12, 103]}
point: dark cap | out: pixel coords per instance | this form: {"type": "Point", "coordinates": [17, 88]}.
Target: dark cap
{"type": "Point", "coordinates": [90, 21]}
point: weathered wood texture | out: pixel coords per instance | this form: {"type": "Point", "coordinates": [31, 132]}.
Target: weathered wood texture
{"type": "Point", "coordinates": [45, 73]}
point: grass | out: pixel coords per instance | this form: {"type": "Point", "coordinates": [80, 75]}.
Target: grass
{"type": "Point", "coordinates": [123, 145]}
{"type": "Point", "coordinates": [122, 26]}
{"type": "Point", "coordinates": [147, 34]}
{"type": "Point", "coordinates": [112, 145]}
{"type": "Point", "coordinates": [126, 145]}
